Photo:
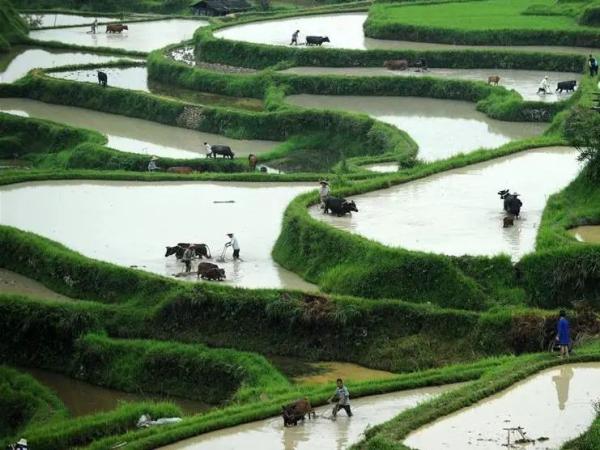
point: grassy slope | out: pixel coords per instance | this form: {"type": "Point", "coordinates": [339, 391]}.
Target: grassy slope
{"type": "Point", "coordinates": [12, 28]}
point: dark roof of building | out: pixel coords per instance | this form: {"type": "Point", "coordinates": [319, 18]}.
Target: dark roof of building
{"type": "Point", "coordinates": [222, 5]}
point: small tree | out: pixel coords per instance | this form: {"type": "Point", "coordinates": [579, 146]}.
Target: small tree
{"type": "Point", "coordinates": [582, 130]}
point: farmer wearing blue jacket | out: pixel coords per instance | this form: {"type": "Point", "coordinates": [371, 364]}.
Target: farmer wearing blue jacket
{"type": "Point", "coordinates": [563, 334]}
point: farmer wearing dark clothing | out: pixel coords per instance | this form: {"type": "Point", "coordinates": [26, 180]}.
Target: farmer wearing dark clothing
{"type": "Point", "coordinates": [188, 255]}
{"type": "Point", "coordinates": [343, 399]}
{"type": "Point", "coordinates": [593, 66]}
{"type": "Point", "coordinates": [563, 336]}
{"type": "Point", "coordinates": [295, 37]}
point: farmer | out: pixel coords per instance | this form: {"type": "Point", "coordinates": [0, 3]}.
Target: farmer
{"type": "Point", "coordinates": [563, 337]}
{"type": "Point", "coordinates": [324, 192]}
{"type": "Point", "coordinates": [208, 149]}
{"type": "Point", "coordinates": [187, 257]}
{"type": "Point", "coordinates": [295, 37]}
{"type": "Point", "coordinates": [152, 167]}
{"type": "Point", "coordinates": [94, 26]}
{"type": "Point", "coordinates": [593, 66]}
{"type": "Point", "coordinates": [233, 243]}
{"type": "Point", "coordinates": [544, 87]}
{"type": "Point", "coordinates": [343, 399]}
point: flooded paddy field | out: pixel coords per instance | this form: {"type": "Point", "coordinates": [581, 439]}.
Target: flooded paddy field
{"type": "Point", "coordinates": [441, 128]}
{"type": "Point", "coordinates": [131, 223]}
{"type": "Point", "coordinates": [134, 135]}
{"type": "Point", "coordinates": [136, 78]}
{"type": "Point", "coordinates": [525, 82]}
{"type": "Point", "coordinates": [141, 36]}
{"type": "Point", "coordinates": [82, 398]}
{"type": "Point", "coordinates": [587, 233]}
{"type": "Point", "coordinates": [20, 60]}
{"type": "Point", "coordinates": [61, 20]}
{"type": "Point", "coordinates": [320, 433]}
{"type": "Point", "coordinates": [346, 31]}
{"type": "Point", "coordinates": [390, 167]}
{"type": "Point", "coordinates": [14, 283]}
{"type": "Point", "coordinates": [458, 212]}
{"type": "Point", "coordinates": [555, 404]}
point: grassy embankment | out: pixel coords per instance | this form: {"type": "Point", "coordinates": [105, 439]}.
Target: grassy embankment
{"type": "Point", "coordinates": [13, 29]}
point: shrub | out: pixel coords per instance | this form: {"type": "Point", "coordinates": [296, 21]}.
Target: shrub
{"type": "Point", "coordinates": [590, 16]}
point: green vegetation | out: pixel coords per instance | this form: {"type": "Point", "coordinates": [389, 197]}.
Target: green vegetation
{"type": "Point", "coordinates": [13, 29]}
{"type": "Point", "coordinates": [112, 6]}
{"type": "Point", "coordinates": [590, 440]}
{"type": "Point", "coordinates": [497, 22]}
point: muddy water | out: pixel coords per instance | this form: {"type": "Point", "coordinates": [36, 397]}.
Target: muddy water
{"type": "Point", "coordinates": [382, 167]}
{"type": "Point", "coordinates": [131, 223]}
{"type": "Point", "coordinates": [14, 283]}
{"type": "Point", "coordinates": [556, 404]}
{"type": "Point", "coordinates": [82, 398]}
{"type": "Point", "coordinates": [134, 135]}
{"type": "Point", "coordinates": [135, 78]}
{"type": "Point", "coordinates": [20, 60]}
{"type": "Point", "coordinates": [442, 128]}
{"type": "Point", "coordinates": [328, 372]}
{"type": "Point", "coordinates": [61, 20]}
{"type": "Point", "coordinates": [587, 233]}
{"type": "Point", "coordinates": [346, 31]}
{"type": "Point", "coordinates": [320, 433]}
{"type": "Point", "coordinates": [459, 212]}
{"type": "Point", "coordinates": [525, 82]}
{"type": "Point", "coordinates": [141, 36]}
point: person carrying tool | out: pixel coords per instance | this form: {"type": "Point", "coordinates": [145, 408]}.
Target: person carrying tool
{"type": "Point", "coordinates": [187, 257]}
{"type": "Point", "coordinates": [343, 399]}
{"type": "Point", "coordinates": [295, 37]}
{"type": "Point", "coordinates": [544, 87]}
{"type": "Point", "coordinates": [233, 243]}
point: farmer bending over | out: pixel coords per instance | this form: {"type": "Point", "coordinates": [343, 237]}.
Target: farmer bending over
{"type": "Point", "coordinates": [234, 244]}
{"type": "Point", "coordinates": [295, 37]}
{"type": "Point", "coordinates": [343, 399]}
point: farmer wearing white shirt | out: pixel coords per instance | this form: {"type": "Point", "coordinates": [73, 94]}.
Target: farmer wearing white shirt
{"type": "Point", "coordinates": [544, 86]}
{"type": "Point", "coordinates": [343, 399]}
{"type": "Point", "coordinates": [233, 243]}
{"type": "Point", "coordinates": [324, 192]}
{"type": "Point", "coordinates": [208, 149]}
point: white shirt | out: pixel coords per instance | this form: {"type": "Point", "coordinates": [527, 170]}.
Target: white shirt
{"type": "Point", "coordinates": [208, 149]}
{"type": "Point", "coordinates": [544, 84]}
{"type": "Point", "coordinates": [324, 192]}
{"type": "Point", "coordinates": [234, 243]}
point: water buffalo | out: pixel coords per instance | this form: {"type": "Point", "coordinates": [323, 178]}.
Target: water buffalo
{"type": "Point", "coordinates": [223, 150]}
{"type": "Point", "coordinates": [339, 206]}
{"type": "Point", "coordinates": [512, 203]}
{"type": "Point", "coordinates": [201, 250]}
{"type": "Point", "coordinates": [316, 40]}
{"type": "Point", "coordinates": [494, 79]}
{"type": "Point", "coordinates": [568, 86]}
{"type": "Point", "coordinates": [213, 274]}
{"type": "Point", "coordinates": [204, 266]}
{"type": "Point", "coordinates": [396, 64]}
{"type": "Point", "coordinates": [116, 28]}
{"type": "Point", "coordinates": [296, 411]}
{"type": "Point", "coordinates": [102, 78]}
{"type": "Point", "coordinates": [186, 170]}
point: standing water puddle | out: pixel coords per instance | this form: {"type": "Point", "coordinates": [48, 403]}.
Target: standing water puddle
{"type": "Point", "coordinates": [587, 233]}
{"type": "Point", "coordinates": [346, 31]}
{"type": "Point", "coordinates": [20, 60]}
{"type": "Point", "coordinates": [525, 82]}
{"type": "Point", "coordinates": [441, 128]}
{"type": "Point", "coordinates": [82, 398]}
{"type": "Point", "coordinates": [390, 167]}
{"type": "Point", "coordinates": [321, 433]}
{"type": "Point", "coordinates": [459, 212]}
{"type": "Point", "coordinates": [141, 36]}
{"type": "Point", "coordinates": [556, 404]}
{"type": "Point", "coordinates": [61, 20]}
{"type": "Point", "coordinates": [134, 135]}
{"type": "Point", "coordinates": [14, 283]}
{"type": "Point", "coordinates": [131, 223]}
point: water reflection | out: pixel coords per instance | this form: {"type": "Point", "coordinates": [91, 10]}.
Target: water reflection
{"type": "Point", "coordinates": [561, 383]}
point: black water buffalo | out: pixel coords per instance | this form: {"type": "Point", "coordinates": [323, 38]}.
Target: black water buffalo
{"type": "Point", "coordinates": [316, 40]}
{"type": "Point", "coordinates": [201, 250]}
{"type": "Point", "coordinates": [568, 86]}
{"type": "Point", "coordinates": [213, 274]}
{"type": "Point", "coordinates": [512, 203]}
{"type": "Point", "coordinates": [339, 206]}
{"type": "Point", "coordinates": [102, 78]}
{"type": "Point", "coordinates": [296, 411]}
{"type": "Point", "coordinates": [223, 150]}
{"type": "Point", "coordinates": [204, 266]}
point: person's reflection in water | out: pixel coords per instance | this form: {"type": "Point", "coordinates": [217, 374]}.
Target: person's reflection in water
{"type": "Point", "coordinates": [561, 382]}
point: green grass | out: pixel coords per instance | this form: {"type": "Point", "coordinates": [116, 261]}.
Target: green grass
{"type": "Point", "coordinates": [590, 440]}
{"type": "Point", "coordinates": [13, 29]}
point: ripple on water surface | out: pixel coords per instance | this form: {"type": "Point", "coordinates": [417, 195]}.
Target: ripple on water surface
{"type": "Point", "coordinates": [459, 212]}
{"type": "Point", "coordinates": [556, 404]}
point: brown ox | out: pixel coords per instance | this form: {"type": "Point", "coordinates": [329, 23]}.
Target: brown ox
{"type": "Point", "coordinates": [494, 79]}
{"type": "Point", "coordinates": [396, 64]}
{"type": "Point", "coordinates": [180, 169]}
{"type": "Point", "coordinates": [116, 28]}
{"type": "Point", "coordinates": [296, 411]}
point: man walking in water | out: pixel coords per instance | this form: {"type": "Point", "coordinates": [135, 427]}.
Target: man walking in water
{"type": "Point", "coordinates": [343, 399]}
{"type": "Point", "coordinates": [295, 37]}
{"type": "Point", "coordinates": [563, 334]}
{"type": "Point", "coordinates": [544, 87]}
{"type": "Point", "coordinates": [233, 243]}
{"type": "Point", "coordinates": [187, 257]}
{"type": "Point", "coordinates": [208, 149]}
{"type": "Point", "coordinates": [324, 192]}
